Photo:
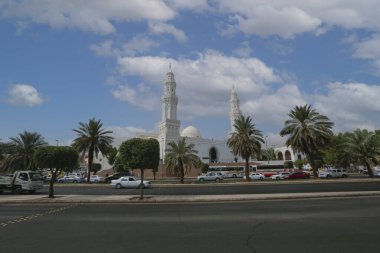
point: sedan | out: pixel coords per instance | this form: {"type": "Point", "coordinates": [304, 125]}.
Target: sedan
{"type": "Point", "coordinates": [257, 176]}
{"type": "Point", "coordinates": [96, 179]}
{"type": "Point", "coordinates": [280, 175]}
{"type": "Point", "coordinates": [297, 175]}
{"type": "Point", "coordinates": [69, 179]}
{"type": "Point", "coordinates": [129, 182]}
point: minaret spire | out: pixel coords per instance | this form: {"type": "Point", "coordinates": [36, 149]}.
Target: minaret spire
{"type": "Point", "coordinates": [235, 109]}
{"type": "Point", "coordinates": [169, 125]}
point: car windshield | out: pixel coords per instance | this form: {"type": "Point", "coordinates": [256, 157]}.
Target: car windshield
{"type": "Point", "coordinates": [35, 176]}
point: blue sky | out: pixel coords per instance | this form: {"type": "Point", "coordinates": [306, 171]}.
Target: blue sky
{"type": "Point", "coordinates": [65, 61]}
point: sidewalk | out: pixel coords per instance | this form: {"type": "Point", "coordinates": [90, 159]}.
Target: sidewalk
{"type": "Point", "coordinates": [174, 198]}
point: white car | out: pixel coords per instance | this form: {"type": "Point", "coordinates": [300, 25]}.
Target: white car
{"type": "Point", "coordinates": [96, 179]}
{"type": "Point", "coordinates": [256, 176]}
{"type": "Point", "coordinates": [333, 173]}
{"type": "Point", "coordinates": [129, 182]}
{"type": "Point", "coordinates": [210, 176]}
{"type": "Point", "coordinates": [280, 175]}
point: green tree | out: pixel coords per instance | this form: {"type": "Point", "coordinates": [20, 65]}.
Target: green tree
{"type": "Point", "coordinates": [95, 167]}
{"type": "Point", "coordinates": [288, 164]}
{"type": "Point", "coordinates": [364, 147]}
{"type": "Point", "coordinates": [112, 156]}
{"type": "Point", "coordinates": [57, 160]}
{"type": "Point", "coordinates": [92, 139]}
{"type": "Point", "coordinates": [245, 141]}
{"type": "Point", "coordinates": [140, 154]}
{"type": "Point", "coordinates": [268, 154]}
{"type": "Point", "coordinates": [22, 148]}
{"type": "Point", "coordinates": [181, 155]}
{"type": "Point", "coordinates": [307, 131]}
{"type": "Point", "coordinates": [337, 153]}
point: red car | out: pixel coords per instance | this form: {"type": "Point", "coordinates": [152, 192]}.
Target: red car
{"type": "Point", "coordinates": [298, 175]}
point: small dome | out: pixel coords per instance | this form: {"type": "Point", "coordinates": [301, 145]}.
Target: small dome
{"type": "Point", "coordinates": [191, 132]}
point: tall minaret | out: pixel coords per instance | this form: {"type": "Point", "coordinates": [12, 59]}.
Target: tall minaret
{"type": "Point", "coordinates": [169, 125]}
{"type": "Point", "coordinates": [235, 109]}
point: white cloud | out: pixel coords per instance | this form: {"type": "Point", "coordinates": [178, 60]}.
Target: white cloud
{"type": "Point", "coordinates": [105, 49]}
{"type": "Point", "coordinates": [203, 84]}
{"type": "Point", "coordinates": [95, 16]}
{"type": "Point", "coordinates": [24, 94]}
{"type": "Point", "coordinates": [351, 105]}
{"type": "Point", "coordinates": [162, 28]}
{"type": "Point", "coordinates": [286, 22]}
{"type": "Point", "coordinates": [139, 44]}
{"type": "Point", "coordinates": [122, 134]}
{"type": "Point", "coordinates": [140, 96]}
{"type": "Point", "coordinates": [273, 107]}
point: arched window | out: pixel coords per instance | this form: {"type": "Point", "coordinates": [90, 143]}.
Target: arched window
{"type": "Point", "coordinates": [288, 156]}
{"type": "Point", "coordinates": [213, 155]}
{"type": "Point", "coordinates": [280, 156]}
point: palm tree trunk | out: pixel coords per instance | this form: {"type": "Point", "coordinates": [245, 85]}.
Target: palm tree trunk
{"type": "Point", "coordinates": [370, 173]}
{"type": "Point", "coordinates": [247, 178]}
{"type": "Point", "coordinates": [310, 157]}
{"type": "Point", "coordinates": [51, 184]}
{"type": "Point", "coordinates": [181, 171]}
{"type": "Point", "coordinates": [90, 160]}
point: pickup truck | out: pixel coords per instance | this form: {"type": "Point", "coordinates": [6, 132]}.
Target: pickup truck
{"type": "Point", "coordinates": [21, 181]}
{"type": "Point", "coordinates": [333, 173]}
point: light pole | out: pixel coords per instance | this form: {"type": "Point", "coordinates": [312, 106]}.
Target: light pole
{"type": "Point", "coordinates": [57, 142]}
{"type": "Point", "coordinates": [266, 147]}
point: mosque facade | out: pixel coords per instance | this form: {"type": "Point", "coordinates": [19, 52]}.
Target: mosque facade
{"type": "Point", "coordinates": [209, 150]}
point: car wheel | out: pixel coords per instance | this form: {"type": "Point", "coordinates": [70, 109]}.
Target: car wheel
{"type": "Point", "coordinates": [75, 181]}
{"type": "Point", "coordinates": [201, 180]}
{"type": "Point", "coordinates": [60, 181]}
{"type": "Point", "coordinates": [118, 186]}
{"type": "Point", "coordinates": [344, 176]}
{"type": "Point", "coordinates": [261, 178]}
{"type": "Point", "coordinates": [17, 190]}
{"type": "Point", "coordinates": [328, 176]}
{"type": "Point", "coordinates": [234, 176]}
{"type": "Point", "coordinates": [217, 179]}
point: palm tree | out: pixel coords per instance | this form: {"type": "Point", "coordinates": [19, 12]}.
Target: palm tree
{"type": "Point", "coordinates": [92, 139]}
{"type": "Point", "coordinates": [364, 147]}
{"type": "Point", "coordinates": [308, 131]}
{"type": "Point", "coordinates": [179, 156]}
{"type": "Point", "coordinates": [22, 149]}
{"type": "Point", "coordinates": [245, 141]}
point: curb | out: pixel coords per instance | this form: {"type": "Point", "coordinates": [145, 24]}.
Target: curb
{"type": "Point", "coordinates": [178, 199]}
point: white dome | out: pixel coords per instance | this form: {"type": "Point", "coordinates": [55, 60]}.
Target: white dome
{"type": "Point", "coordinates": [191, 132]}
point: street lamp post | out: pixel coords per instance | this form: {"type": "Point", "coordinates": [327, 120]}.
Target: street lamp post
{"type": "Point", "coordinates": [266, 147]}
{"type": "Point", "coordinates": [57, 142]}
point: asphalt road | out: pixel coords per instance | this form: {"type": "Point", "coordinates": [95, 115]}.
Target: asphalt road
{"type": "Point", "coordinates": [341, 185]}
{"type": "Point", "coordinates": [314, 225]}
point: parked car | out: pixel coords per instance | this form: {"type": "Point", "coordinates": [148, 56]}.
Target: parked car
{"type": "Point", "coordinates": [280, 175]}
{"type": "Point", "coordinates": [256, 176]}
{"type": "Point", "coordinates": [376, 174]}
{"type": "Point", "coordinates": [117, 176]}
{"type": "Point", "coordinates": [297, 175]}
{"type": "Point", "coordinates": [69, 179]}
{"type": "Point", "coordinates": [128, 182]}
{"type": "Point", "coordinates": [333, 173]}
{"type": "Point", "coordinates": [210, 176]}
{"type": "Point", "coordinates": [96, 179]}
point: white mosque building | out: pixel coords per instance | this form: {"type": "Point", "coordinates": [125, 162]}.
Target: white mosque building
{"type": "Point", "coordinates": [209, 150]}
